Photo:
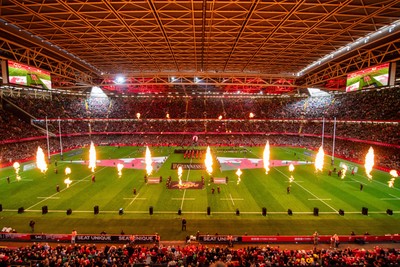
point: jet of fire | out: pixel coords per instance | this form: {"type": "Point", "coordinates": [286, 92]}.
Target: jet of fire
{"type": "Point", "coordinates": [208, 161]}
{"type": "Point", "coordinates": [120, 166]}
{"type": "Point", "coordinates": [16, 167]}
{"type": "Point", "coordinates": [319, 160]}
{"type": "Point", "coordinates": [391, 182]}
{"type": "Point", "coordinates": [369, 162]}
{"type": "Point", "coordinates": [344, 170]}
{"type": "Point", "coordinates": [238, 173]}
{"type": "Point", "coordinates": [92, 157]}
{"type": "Point", "coordinates": [149, 162]}
{"type": "Point", "coordinates": [67, 181]}
{"type": "Point", "coordinates": [67, 171]}
{"type": "Point", "coordinates": [180, 171]}
{"type": "Point", "coordinates": [266, 157]}
{"type": "Point", "coordinates": [291, 169]}
{"type": "Point", "coordinates": [394, 175]}
{"type": "Point", "coordinates": [41, 160]}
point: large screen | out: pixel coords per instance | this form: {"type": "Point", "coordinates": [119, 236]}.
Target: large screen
{"type": "Point", "coordinates": [29, 76]}
{"type": "Point", "coordinates": [368, 78]}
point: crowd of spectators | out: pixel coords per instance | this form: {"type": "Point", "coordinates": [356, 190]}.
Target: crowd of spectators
{"type": "Point", "coordinates": [193, 255]}
{"type": "Point", "coordinates": [379, 132]}
{"type": "Point", "coordinates": [11, 127]}
{"type": "Point", "coordinates": [293, 118]}
{"type": "Point", "coordinates": [362, 105]}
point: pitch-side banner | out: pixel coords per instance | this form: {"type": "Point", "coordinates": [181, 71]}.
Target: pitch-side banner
{"type": "Point", "coordinates": [297, 239]}
{"type": "Point", "coordinates": [79, 238]}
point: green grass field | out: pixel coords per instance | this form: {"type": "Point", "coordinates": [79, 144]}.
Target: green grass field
{"type": "Point", "coordinates": [256, 190]}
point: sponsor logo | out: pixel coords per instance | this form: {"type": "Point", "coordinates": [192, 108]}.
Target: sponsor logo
{"type": "Point", "coordinates": [188, 166]}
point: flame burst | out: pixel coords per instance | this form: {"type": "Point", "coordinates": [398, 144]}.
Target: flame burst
{"type": "Point", "coordinates": [319, 160]}
{"type": "Point", "coordinates": [344, 170]}
{"type": "Point", "coordinates": [67, 172]}
{"type": "Point", "coordinates": [208, 161]}
{"type": "Point", "coordinates": [41, 160]}
{"type": "Point", "coordinates": [92, 157]}
{"type": "Point", "coordinates": [120, 166]}
{"type": "Point", "coordinates": [266, 157]}
{"type": "Point", "coordinates": [149, 162]}
{"type": "Point", "coordinates": [238, 173]}
{"type": "Point", "coordinates": [180, 171]}
{"type": "Point", "coordinates": [369, 162]}
{"type": "Point", "coordinates": [67, 182]}
{"type": "Point", "coordinates": [394, 175]}
{"type": "Point", "coordinates": [291, 169]}
{"type": "Point", "coordinates": [16, 167]}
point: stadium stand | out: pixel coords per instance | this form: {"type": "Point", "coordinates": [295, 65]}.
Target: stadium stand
{"type": "Point", "coordinates": [363, 119]}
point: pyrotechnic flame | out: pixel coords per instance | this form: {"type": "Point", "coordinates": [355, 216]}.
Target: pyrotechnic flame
{"type": "Point", "coordinates": [251, 115]}
{"type": "Point", "coordinates": [319, 159]}
{"type": "Point", "coordinates": [149, 166]}
{"type": "Point", "coordinates": [344, 170]}
{"type": "Point", "coordinates": [180, 171]}
{"type": "Point", "coordinates": [120, 166]}
{"type": "Point", "coordinates": [266, 157]}
{"type": "Point", "coordinates": [92, 157]}
{"type": "Point", "coordinates": [67, 182]}
{"type": "Point", "coordinates": [138, 115]}
{"type": "Point", "coordinates": [394, 173]}
{"type": "Point", "coordinates": [238, 173]}
{"type": "Point", "coordinates": [369, 162]}
{"type": "Point", "coordinates": [167, 116]}
{"type": "Point", "coordinates": [291, 167]}
{"type": "Point", "coordinates": [208, 161]}
{"type": "Point", "coordinates": [16, 167]}
{"type": "Point", "coordinates": [220, 117]}
{"type": "Point", "coordinates": [41, 160]}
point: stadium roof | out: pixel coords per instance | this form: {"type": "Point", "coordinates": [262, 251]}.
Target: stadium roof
{"type": "Point", "coordinates": [261, 45]}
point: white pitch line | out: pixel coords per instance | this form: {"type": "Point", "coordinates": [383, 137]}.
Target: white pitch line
{"type": "Point", "coordinates": [137, 198]}
{"type": "Point", "coordinates": [133, 200]}
{"type": "Point", "coordinates": [187, 179]}
{"type": "Point", "coordinates": [64, 189]}
{"type": "Point", "coordinates": [49, 197]}
{"type": "Point", "coordinates": [394, 198]}
{"type": "Point", "coordinates": [231, 198]}
{"type": "Point", "coordinates": [309, 192]}
{"type": "Point", "coordinates": [319, 199]}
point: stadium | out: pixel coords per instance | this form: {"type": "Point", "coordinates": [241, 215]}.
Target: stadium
{"type": "Point", "coordinates": [211, 133]}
